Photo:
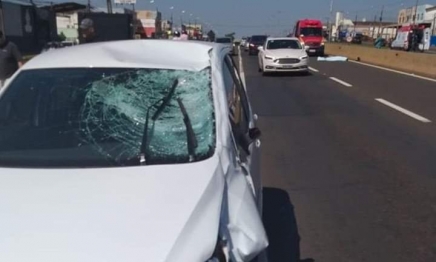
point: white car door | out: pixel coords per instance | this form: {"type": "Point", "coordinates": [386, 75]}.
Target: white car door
{"type": "Point", "coordinates": [246, 134]}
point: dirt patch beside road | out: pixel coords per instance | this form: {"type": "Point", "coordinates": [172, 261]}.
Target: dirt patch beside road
{"type": "Point", "coordinates": [417, 63]}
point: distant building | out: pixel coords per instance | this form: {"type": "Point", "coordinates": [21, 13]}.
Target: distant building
{"type": "Point", "coordinates": [67, 18]}
{"type": "Point", "coordinates": [28, 25]}
{"type": "Point", "coordinates": [194, 30]}
{"type": "Point", "coordinates": [370, 29]}
{"type": "Point", "coordinates": [422, 15]}
{"type": "Point", "coordinates": [418, 15]}
{"type": "Point", "coordinates": [149, 23]}
{"type": "Point", "coordinates": [166, 25]}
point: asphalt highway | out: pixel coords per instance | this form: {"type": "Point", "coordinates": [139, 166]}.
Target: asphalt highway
{"type": "Point", "coordinates": [354, 147]}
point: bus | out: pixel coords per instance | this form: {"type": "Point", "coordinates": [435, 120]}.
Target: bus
{"type": "Point", "coordinates": [310, 33]}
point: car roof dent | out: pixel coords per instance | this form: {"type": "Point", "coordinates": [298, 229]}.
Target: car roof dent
{"type": "Point", "coordinates": [161, 54]}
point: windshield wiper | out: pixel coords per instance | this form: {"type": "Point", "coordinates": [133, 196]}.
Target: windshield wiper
{"type": "Point", "coordinates": [165, 101]}
{"type": "Point", "coordinates": [190, 134]}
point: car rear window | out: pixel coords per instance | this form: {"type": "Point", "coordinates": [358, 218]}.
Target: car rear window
{"type": "Point", "coordinates": [86, 117]}
{"type": "Point", "coordinates": [258, 38]}
{"type": "Point", "coordinates": [223, 40]}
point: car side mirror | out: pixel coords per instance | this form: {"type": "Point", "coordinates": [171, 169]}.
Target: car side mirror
{"type": "Point", "coordinates": [254, 134]}
{"type": "Point", "coordinates": [248, 139]}
{"type": "Point", "coordinates": [260, 48]}
{"type": "Point", "coordinates": [306, 47]}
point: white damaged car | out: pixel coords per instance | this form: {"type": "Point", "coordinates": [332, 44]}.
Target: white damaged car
{"type": "Point", "coordinates": [282, 54]}
{"type": "Point", "coordinates": [129, 151]}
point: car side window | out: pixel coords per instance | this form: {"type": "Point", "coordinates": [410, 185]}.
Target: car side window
{"type": "Point", "coordinates": [238, 104]}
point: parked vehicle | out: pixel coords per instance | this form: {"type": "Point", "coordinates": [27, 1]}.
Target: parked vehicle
{"type": "Point", "coordinates": [282, 54]}
{"type": "Point", "coordinates": [105, 156]}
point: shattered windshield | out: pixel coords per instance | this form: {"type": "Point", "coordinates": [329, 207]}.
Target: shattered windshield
{"type": "Point", "coordinates": [86, 117]}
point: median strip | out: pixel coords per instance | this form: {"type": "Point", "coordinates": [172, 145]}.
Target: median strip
{"type": "Point", "coordinates": [340, 82]}
{"type": "Point", "coordinates": [402, 110]}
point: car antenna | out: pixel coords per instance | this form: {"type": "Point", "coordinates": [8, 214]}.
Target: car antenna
{"type": "Point", "coordinates": [190, 134]}
{"type": "Point", "coordinates": [144, 145]}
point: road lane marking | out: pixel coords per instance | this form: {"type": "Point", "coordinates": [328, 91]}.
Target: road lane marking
{"type": "Point", "coordinates": [395, 71]}
{"type": "Point", "coordinates": [313, 69]}
{"type": "Point", "coordinates": [241, 68]}
{"type": "Point", "coordinates": [340, 81]}
{"type": "Point", "coordinates": [404, 111]}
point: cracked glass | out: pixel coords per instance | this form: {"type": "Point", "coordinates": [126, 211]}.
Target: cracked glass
{"type": "Point", "coordinates": [95, 117]}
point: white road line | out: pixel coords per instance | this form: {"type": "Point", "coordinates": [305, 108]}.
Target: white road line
{"type": "Point", "coordinates": [340, 81]}
{"type": "Point", "coordinates": [395, 71]}
{"type": "Point", "coordinates": [313, 69]}
{"type": "Point", "coordinates": [404, 111]}
{"type": "Point", "coordinates": [241, 68]}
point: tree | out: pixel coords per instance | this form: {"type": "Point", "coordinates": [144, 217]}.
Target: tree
{"type": "Point", "coordinates": [211, 36]}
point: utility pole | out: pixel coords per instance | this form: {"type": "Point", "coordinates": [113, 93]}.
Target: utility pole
{"type": "Point", "coordinates": [381, 20]}
{"type": "Point", "coordinates": [171, 21]}
{"type": "Point", "coordinates": [330, 24]}
{"type": "Point", "coordinates": [355, 22]}
{"type": "Point", "coordinates": [416, 12]}
{"type": "Point", "coordinates": [88, 6]}
{"type": "Point", "coordinates": [109, 6]}
{"type": "Point", "coordinates": [373, 26]}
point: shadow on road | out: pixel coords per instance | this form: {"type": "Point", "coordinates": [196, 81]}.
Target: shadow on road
{"type": "Point", "coordinates": [289, 74]}
{"type": "Point", "coordinates": [281, 227]}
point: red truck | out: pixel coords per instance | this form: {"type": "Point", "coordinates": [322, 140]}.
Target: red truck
{"type": "Point", "coordinates": [310, 32]}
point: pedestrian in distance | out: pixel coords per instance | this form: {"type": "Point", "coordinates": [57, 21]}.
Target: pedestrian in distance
{"type": "Point", "coordinates": [87, 31]}
{"type": "Point", "coordinates": [10, 59]}
{"type": "Point", "coordinates": [176, 35]}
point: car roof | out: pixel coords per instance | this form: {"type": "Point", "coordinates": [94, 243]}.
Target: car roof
{"type": "Point", "coordinates": [282, 38]}
{"type": "Point", "coordinates": [165, 54]}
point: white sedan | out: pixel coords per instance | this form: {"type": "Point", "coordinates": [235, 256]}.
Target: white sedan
{"type": "Point", "coordinates": [284, 54]}
{"type": "Point", "coordinates": [109, 153]}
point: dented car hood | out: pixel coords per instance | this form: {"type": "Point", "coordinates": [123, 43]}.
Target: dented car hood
{"type": "Point", "coordinates": [116, 214]}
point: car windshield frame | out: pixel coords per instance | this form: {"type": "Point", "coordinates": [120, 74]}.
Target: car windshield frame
{"type": "Point", "coordinates": [298, 45]}
{"type": "Point", "coordinates": [311, 31]}
{"type": "Point", "coordinates": [95, 117]}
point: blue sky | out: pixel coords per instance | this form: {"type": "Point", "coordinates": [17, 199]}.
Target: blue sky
{"type": "Point", "coordinates": [246, 17]}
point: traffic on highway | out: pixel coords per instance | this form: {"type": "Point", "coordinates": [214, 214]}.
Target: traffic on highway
{"type": "Point", "coordinates": [128, 137]}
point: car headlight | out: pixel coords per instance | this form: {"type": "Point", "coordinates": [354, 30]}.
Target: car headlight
{"type": "Point", "coordinates": [303, 58]}
{"type": "Point", "coordinates": [322, 43]}
{"type": "Point", "coordinates": [268, 57]}
{"type": "Point", "coordinates": [251, 45]}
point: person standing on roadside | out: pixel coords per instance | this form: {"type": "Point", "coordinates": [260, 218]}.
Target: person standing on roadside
{"type": "Point", "coordinates": [10, 59]}
{"type": "Point", "coordinates": [87, 31]}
